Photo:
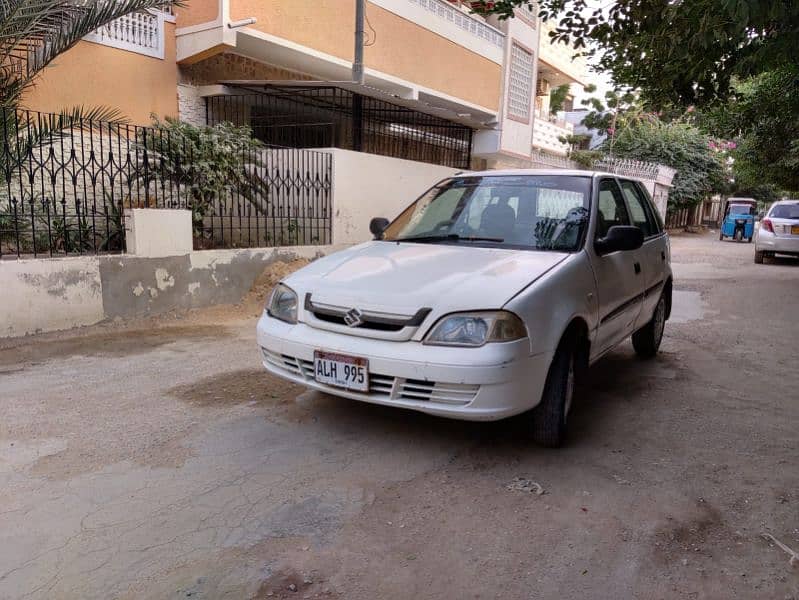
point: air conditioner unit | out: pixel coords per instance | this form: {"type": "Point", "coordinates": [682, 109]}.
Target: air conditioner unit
{"type": "Point", "coordinates": [542, 87]}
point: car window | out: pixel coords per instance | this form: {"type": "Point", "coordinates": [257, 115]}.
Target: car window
{"type": "Point", "coordinates": [639, 212]}
{"type": "Point", "coordinates": [652, 211]}
{"type": "Point", "coordinates": [611, 210]}
{"type": "Point", "coordinates": [541, 212]}
{"type": "Point", "coordinates": [785, 211]}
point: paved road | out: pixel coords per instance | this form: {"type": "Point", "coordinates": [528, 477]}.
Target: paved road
{"type": "Point", "coordinates": [161, 462]}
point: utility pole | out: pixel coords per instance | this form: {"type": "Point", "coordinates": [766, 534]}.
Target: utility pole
{"type": "Point", "coordinates": [357, 64]}
{"type": "Point", "coordinates": [358, 78]}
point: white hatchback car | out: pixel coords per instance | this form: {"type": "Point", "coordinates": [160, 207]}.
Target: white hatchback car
{"type": "Point", "coordinates": [779, 231]}
{"type": "Point", "coordinates": [482, 300]}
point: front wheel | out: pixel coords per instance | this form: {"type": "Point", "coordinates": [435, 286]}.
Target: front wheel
{"type": "Point", "coordinates": [646, 341]}
{"type": "Point", "coordinates": [549, 417]}
{"type": "Point", "coordinates": [738, 236]}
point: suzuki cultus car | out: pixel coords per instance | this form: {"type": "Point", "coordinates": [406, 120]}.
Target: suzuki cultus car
{"type": "Point", "coordinates": [483, 299]}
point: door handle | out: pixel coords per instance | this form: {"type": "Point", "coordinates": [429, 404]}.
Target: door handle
{"type": "Point", "coordinates": [637, 268]}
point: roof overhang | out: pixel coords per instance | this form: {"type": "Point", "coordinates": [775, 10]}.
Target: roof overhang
{"type": "Point", "coordinates": [423, 104]}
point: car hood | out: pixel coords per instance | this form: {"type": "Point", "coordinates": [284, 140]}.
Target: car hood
{"type": "Point", "coordinates": [403, 277]}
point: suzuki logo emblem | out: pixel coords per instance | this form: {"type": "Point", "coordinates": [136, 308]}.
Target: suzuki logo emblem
{"type": "Point", "coordinates": [353, 317]}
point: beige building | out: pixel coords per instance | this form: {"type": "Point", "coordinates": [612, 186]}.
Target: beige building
{"type": "Point", "coordinates": [442, 85]}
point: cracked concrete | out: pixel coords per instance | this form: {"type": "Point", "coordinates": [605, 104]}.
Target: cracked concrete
{"type": "Point", "coordinates": [160, 461]}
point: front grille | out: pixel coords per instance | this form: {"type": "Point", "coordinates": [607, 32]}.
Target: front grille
{"type": "Point", "coordinates": [367, 324]}
{"type": "Point", "coordinates": [385, 386]}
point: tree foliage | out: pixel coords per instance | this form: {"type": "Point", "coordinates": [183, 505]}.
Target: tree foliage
{"type": "Point", "coordinates": [680, 53]}
{"type": "Point", "coordinates": [762, 114]}
{"type": "Point", "coordinates": [208, 163]}
{"type": "Point", "coordinates": [558, 98]}
{"type": "Point", "coordinates": [700, 168]}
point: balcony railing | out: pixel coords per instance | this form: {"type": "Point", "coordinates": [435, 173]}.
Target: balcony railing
{"type": "Point", "coordinates": [140, 32]}
{"type": "Point", "coordinates": [452, 13]}
{"type": "Point", "coordinates": [546, 134]}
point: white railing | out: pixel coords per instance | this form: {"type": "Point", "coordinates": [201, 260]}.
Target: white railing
{"type": "Point", "coordinates": [547, 159]}
{"type": "Point", "coordinates": [451, 12]}
{"type": "Point", "coordinates": [140, 32]}
{"type": "Point", "coordinates": [546, 134]}
{"type": "Point", "coordinates": [637, 168]}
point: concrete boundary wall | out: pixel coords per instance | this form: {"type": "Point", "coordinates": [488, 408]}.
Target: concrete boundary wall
{"type": "Point", "coordinates": [52, 294]}
{"type": "Point", "coordinates": [369, 185]}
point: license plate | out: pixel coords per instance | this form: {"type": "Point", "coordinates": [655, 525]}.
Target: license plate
{"type": "Point", "coordinates": [340, 370]}
{"type": "Point", "coordinates": [794, 229]}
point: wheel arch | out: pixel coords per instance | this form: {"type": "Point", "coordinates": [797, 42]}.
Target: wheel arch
{"type": "Point", "coordinates": [667, 293]}
{"type": "Point", "coordinates": [577, 333]}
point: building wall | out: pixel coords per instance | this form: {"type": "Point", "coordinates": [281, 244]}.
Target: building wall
{"type": "Point", "coordinates": [197, 12]}
{"type": "Point", "coordinates": [92, 74]}
{"type": "Point", "coordinates": [402, 48]}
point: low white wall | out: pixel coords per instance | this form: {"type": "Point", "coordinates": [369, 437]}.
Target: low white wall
{"type": "Point", "coordinates": [368, 185]}
{"type": "Point", "coordinates": [47, 294]}
{"type": "Point", "coordinates": [51, 294]}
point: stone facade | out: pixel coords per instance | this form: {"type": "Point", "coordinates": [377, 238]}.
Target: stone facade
{"type": "Point", "coordinates": [227, 66]}
{"type": "Point", "coordinates": [191, 106]}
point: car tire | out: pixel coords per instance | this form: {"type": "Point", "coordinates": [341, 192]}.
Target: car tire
{"type": "Point", "coordinates": [759, 257]}
{"type": "Point", "coordinates": [549, 417]}
{"type": "Point", "coordinates": [646, 341]}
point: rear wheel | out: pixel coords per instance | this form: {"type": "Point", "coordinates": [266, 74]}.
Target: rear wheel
{"type": "Point", "coordinates": [759, 257]}
{"type": "Point", "coordinates": [549, 417]}
{"type": "Point", "coordinates": [721, 237]}
{"type": "Point", "coordinates": [749, 239]}
{"type": "Point", "coordinates": [646, 340]}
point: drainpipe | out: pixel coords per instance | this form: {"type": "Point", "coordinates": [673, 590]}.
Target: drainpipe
{"type": "Point", "coordinates": [357, 64]}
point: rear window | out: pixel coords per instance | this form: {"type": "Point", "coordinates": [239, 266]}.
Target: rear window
{"type": "Point", "coordinates": [785, 211]}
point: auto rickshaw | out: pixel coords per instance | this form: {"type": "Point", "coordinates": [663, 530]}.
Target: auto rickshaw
{"type": "Point", "coordinates": [738, 221]}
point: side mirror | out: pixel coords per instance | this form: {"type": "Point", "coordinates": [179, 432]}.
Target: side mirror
{"type": "Point", "coordinates": [377, 226]}
{"type": "Point", "coordinates": [620, 238]}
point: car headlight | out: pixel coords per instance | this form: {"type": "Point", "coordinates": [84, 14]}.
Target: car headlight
{"type": "Point", "coordinates": [283, 304]}
{"type": "Point", "coordinates": [476, 329]}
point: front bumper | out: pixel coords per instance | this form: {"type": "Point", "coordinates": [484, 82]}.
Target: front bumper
{"type": "Point", "coordinates": [475, 384]}
{"type": "Point", "coordinates": [769, 242]}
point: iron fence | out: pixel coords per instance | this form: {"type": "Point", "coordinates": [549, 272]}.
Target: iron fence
{"type": "Point", "coordinates": [65, 185]}
{"type": "Point", "coordinates": [330, 116]}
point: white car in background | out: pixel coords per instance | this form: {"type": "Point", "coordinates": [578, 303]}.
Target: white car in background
{"type": "Point", "coordinates": [779, 231]}
{"type": "Point", "coordinates": [484, 299]}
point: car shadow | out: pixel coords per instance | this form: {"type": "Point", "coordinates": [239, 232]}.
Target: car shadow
{"type": "Point", "coordinates": [784, 261]}
{"type": "Point", "coordinates": [615, 384]}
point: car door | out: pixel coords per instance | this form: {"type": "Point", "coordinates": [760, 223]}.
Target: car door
{"type": "Point", "coordinates": [655, 249]}
{"type": "Point", "coordinates": [619, 282]}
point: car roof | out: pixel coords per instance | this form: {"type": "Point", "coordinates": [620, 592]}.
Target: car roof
{"type": "Point", "coordinates": [547, 172]}
{"type": "Point", "coordinates": [787, 201]}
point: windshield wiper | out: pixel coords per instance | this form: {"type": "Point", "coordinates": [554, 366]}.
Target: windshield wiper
{"type": "Point", "coordinates": [450, 237]}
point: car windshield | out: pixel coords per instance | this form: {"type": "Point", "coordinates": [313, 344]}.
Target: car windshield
{"type": "Point", "coordinates": [546, 212]}
{"type": "Point", "coordinates": [785, 211]}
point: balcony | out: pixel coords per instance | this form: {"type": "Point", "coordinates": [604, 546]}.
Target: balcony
{"type": "Point", "coordinates": [557, 61]}
{"type": "Point", "coordinates": [547, 130]}
{"type": "Point", "coordinates": [140, 32]}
